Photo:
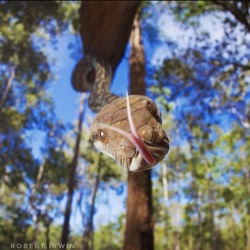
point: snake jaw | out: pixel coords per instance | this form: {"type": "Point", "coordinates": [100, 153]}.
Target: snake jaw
{"type": "Point", "coordinates": [98, 145]}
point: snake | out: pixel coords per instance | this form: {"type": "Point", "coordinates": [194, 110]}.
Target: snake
{"type": "Point", "coordinates": [127, 129]}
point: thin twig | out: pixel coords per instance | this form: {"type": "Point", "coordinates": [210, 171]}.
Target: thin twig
{"type": "Point", "coordinates": [7, 89]}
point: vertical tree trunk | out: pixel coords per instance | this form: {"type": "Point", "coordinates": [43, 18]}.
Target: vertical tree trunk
{"type": "Point", "coordinates": [214, 243]}
{"type": "Point", "coordinates": [197, 205]}
{"type": "Point", "coordinates": [176, 243]}
{"type": "Point", "coordinates": [248, 232]}
{"type": "Point", "coordinates": [105, 28]}
{"type": "Point", "coordinates": [7, 89]}
{"type": "Point", "coordinates": [88, 239]}
{"type": "Point", "coordinates": [71, 182]}
{"type": "Point", "coordinates": [33, 208]}
{"type": "Point", "coordinates": [139, 217]}
{"type": "Point", "coordinates": [247, 174]}
{"type": "Point", "coordinates": [165, 208]}
{"type": "Point", "coordinates": [47, 233]}
{"type": "Point", "coordinates": [198, 245]}
{"type": "Point", "coordinates": [164, 182]}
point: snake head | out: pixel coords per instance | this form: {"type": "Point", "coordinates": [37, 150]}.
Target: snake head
{"type": "Point", "coordinates": [129, 130]}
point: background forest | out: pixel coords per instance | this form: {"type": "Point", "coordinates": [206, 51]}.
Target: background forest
{"type": "Point", "coordinates": [198, 73]}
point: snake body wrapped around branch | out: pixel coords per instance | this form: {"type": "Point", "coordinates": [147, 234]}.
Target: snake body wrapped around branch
{"type": "Point", "coordinates": [128, 130]}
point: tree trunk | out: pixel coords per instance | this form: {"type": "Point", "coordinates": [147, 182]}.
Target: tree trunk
{"type": "Point", "coordinates": [105, 28]}
{"type": "Point", "coordinates": [248, 232]}
{"type": "Point", "coordinates": [88, 239]}
{"type": "Point", "coordinates": [33, 206]}
{"type": "Point", "coordinates": [197, 205]}
{"type": "Point", "coordinates": [247, 174]}
{"type": "Point", "coordinates": [176, 244]}
{"type": "Point", "coordinates": [47, 234]}
{"type": "Point", "coordinates": [7, 89]}
{"type": "Point", "coordinates": [139, 217]}
{"type": "Point", "coordinates": [164, 182]}
{"type": "Point", "coordinates": [71, 182]}
{"type": "Point", "coordinates": [198, 245]}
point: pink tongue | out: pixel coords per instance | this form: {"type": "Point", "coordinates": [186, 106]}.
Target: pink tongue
{"type": "Point", "coordinates": [138, 142]}
{"type": "Point", "coordinates": [134, 137]}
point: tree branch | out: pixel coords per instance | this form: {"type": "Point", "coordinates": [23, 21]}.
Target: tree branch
{"type": "Point", "coordinates": [7, 89]}
{"type": "Point", "coordinates": [236, 12]}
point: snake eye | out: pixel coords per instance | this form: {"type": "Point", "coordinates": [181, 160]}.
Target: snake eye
{"type": "Point", "coordinates": [103, 136]}
{"type": "Point", "coordinates": [154, 112]}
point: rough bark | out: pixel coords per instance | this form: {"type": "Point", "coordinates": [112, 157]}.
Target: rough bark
{"type": "Point", "coordinates": [139, 216]}
{"type": "Point", "coordinates": [71, 182]}
{"type": "Point", "coordinates": [106, 26]}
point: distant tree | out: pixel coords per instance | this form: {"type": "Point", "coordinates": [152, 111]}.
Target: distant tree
{"type": "Point", "coordinates": [204, 83]}
{"type": "Point", "coordinates": [139, 216]}
{"type": "Point", "coordinates": [26, 109]}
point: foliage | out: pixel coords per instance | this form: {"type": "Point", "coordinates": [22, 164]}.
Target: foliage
{"type": "Point", "coordinates": [108, 237]}
{"type": "Point", "coordinates": [204, 83]}
{"type": "Point", "coordinates": [31, 188]}
{"type": "Point", "coordinates": [202, 89]}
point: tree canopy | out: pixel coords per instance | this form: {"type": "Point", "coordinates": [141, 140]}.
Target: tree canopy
{"type": "Point", "coordinates": [198, 73]}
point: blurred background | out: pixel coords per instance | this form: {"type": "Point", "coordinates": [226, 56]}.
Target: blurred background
{"type": "Point", "coordinates": [197, 72]}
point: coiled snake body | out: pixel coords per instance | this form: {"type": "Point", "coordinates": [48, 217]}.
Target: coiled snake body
{"type": "Point", "coordinates": [128, 130]}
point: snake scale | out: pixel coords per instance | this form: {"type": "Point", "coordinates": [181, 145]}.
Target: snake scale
{"type": "Point", "coordinates": [127, 129]}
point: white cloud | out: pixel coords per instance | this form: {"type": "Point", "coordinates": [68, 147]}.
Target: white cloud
{"type": "Point", "coordinates": [171, 30]}
{"type": "Point", "coordinates": [160, 54]}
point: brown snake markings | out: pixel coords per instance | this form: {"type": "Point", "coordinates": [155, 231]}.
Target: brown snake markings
{"type": "Point", "coordinates": [94, 74]}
